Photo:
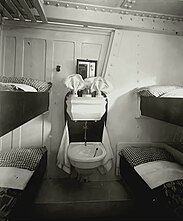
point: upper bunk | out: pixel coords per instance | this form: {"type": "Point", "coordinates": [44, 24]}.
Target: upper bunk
{"type": "Point", "coordinates": [21, 99]}
{"type": "Point", "coordinates": [162, 103]}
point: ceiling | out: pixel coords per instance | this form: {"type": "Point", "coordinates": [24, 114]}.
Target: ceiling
{"type": "Point", "coordinates": [33, 10]}
{"type": "Point", "coordinates": [171, 7]}
{"type": "Point", "coordinates": [23, 10]}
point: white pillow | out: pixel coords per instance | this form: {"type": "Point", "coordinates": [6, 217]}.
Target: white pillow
{"type": "Point", "coordinates": [23, 87]}
{"type": "Point", "coordinates": [177, 93]}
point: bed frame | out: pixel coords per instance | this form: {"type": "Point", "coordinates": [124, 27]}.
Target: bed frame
{"type": "Point", "coordinates": [151, 204]}
{"type": "Point", "coordinates": [16, 108]}
{"type": "Point", "coordinates": [165, 109]}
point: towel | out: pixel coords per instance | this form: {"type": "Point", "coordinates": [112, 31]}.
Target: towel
{"type": "Point", "coordinates": [108, 160]}
{"type": "Point", "coordinates": [100, 84]}
{"type": "Point", "coordinates": [62, 156]}
{"type": "Point", "coordinates": [74, 82]}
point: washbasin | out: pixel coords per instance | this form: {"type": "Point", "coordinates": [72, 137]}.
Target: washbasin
{"type": "Point", "coordinates": [86, 108]}
{"type": "Point", "coordinates": [86, 156]}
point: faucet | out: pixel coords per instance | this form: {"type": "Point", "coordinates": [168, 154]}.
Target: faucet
{"type": "Point", "coordinates": [85, 132]}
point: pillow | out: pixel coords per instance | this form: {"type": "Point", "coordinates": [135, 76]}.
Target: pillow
{"type": "Point", "coordinates": [40, 86]}
{"type": "Point", "coordinates": [7, 87]}
{"type": "Point", "coordinates": [156, 90]}
{"type": "Point", "coordinates": [139, 155]}
{"type": "Point", "coordinates": [178, 93]}
{"type": "Point", "coordinates": [16, 87]}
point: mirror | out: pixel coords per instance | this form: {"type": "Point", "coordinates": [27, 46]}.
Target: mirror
{"type": "Point", "coordinates": [86, 68]}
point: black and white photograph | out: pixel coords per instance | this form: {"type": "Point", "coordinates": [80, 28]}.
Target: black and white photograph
{"type": "Point", "coordinates": [91, 110]}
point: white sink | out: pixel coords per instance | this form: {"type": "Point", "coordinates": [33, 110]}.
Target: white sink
{"type": "Point", "coordinates": [86, 108]}
{"type": "Point", "coordinates": [86, 157]}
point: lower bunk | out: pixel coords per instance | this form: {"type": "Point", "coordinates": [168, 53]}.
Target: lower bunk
{"type": "Point", "coordinates": [21, 173]}
{"type": "Point", "coordinates": [154, 176]}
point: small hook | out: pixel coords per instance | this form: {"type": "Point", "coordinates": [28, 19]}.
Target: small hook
{"type": "Point", "coordinates": [58, 68]}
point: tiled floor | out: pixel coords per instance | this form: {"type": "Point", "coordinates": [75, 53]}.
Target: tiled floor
{"type": "Point", "coordinates": [65, 199]}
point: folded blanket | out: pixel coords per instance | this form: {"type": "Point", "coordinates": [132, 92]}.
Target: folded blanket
{"type": "Point", "coordinates": [159, 172]}
{"type": "Point", "coordinates": [24, 158]}
{"type": "Point", "coordinates": [139, 155]}
{"type": "Point", "coordinates": [15, 178]}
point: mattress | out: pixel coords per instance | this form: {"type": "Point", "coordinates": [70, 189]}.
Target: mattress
{"type": "Point", "coordinates": [23, 169]}
{"type": "Point", "coordinates": [167, 192]}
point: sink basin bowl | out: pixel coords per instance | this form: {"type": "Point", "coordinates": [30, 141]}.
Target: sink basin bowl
{"type": "Point", "coordinates": [86, 108]}
{"type": "Point", "coordinates": [86, 157]}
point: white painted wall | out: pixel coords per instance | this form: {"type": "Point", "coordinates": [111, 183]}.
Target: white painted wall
{"type": "Point", "coordinates": [138, 59]}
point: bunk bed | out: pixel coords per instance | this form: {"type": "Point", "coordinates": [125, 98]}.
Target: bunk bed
{"type": "Point", "coordinates": [153, 173]}
{"type": "Point", "coordinates": [21, 99]}
{"type": "Point", "coordinates": [22, 169]}
{"type": "Point", "coordinates": [162, 102]}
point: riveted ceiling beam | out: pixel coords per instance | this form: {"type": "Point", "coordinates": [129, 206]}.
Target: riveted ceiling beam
{"type": "Point", "coordinates": [123, 9]}
{"type": "Point", "coordinates": [101, 18]}
{"type": "Point", "coordinates": [27, 10]}
{"type": "Point", "coordinates": [40, 9]}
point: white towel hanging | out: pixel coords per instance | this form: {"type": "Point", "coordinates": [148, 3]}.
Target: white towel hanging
{"type": "Point", "coordinates": [62, 156]}
{"type": "Point", "coordinates": [108, 160]}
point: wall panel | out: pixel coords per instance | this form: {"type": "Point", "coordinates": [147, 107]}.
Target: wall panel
{"type": "Point", "coordinates": [160, 56]}
{"type": "Point", "coordinates": [63, 55]}
{"type": "Point", "coordinates": [31, 133]}
{"type": "Point", "coordinates": [9, 56]}
{"type": "Point", "coordinates": [34, 58]}
{"type": "Point", "coordinates": [92, 52]}
{"type": "Point", "coordinates": [6, 143]}
{"type": "Point", "coordinates": [19, 56]}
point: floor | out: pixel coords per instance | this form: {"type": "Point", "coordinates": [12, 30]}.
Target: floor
{"type": "Point", "coordinates": [68, 199]}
